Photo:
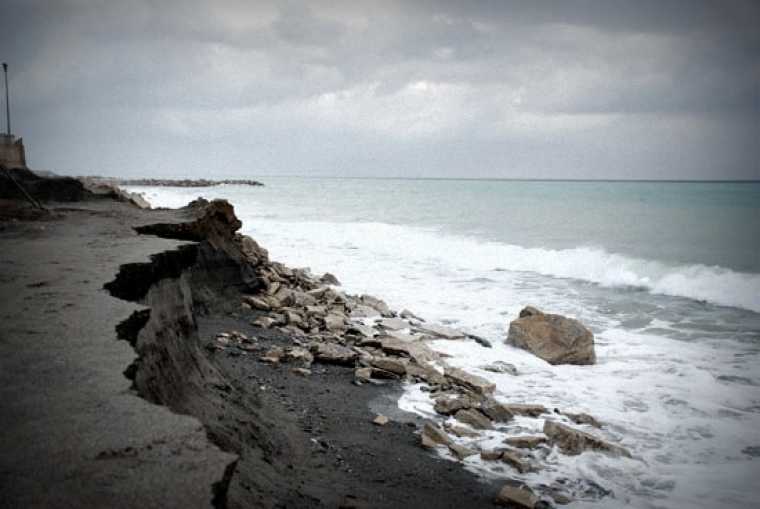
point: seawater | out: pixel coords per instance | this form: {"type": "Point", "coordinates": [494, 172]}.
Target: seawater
{"type": "Point", "coordinates": [667, 275]}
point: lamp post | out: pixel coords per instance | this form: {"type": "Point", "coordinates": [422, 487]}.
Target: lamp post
{"type": "Point", "coordinates": [7, 102]}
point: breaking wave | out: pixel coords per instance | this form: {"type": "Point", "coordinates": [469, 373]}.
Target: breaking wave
{"type": "Point", "coordinates": [428, 247]}
{"type": "Point", "coordinates": [717, 285]}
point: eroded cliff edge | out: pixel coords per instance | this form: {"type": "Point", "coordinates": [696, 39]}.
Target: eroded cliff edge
{"type": "Point", "coordinates": [301, 441]}
{"type": "Point", "coordinates": [74, 435]}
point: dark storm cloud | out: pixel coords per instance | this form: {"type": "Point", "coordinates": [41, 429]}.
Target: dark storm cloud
{"type": "Point", "coordinates": [506, 89]}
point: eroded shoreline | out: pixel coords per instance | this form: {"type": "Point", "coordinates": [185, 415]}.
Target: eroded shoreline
{"type": "Point", "coordinates": [303, 435]}
{"type": "Point", "coordinates": [313, 449]}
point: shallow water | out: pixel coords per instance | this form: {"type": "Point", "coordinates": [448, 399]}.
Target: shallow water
{"type": "Point", "coordinates": [666, 275]}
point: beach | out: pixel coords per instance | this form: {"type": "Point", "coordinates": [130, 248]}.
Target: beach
{"type": "Point", "coordinates": [224, 430]}
{"type": "Point", "coordinates": [161, 353]}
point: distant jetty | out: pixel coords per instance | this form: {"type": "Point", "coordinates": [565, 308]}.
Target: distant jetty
{"type": "Point", "coordinates": [185, 182]}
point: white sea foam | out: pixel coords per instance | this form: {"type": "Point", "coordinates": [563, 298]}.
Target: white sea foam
{"type": "Point", "coordinates": [657, 397]}
{"type": "Point", "coordinates": [422, 246]}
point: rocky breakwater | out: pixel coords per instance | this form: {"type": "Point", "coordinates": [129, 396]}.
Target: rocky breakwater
{"type": "Point", "coordinates": [185, 182]}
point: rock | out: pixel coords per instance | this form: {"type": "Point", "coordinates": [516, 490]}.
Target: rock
{"type": "Point", "coordinates": [409, 315]}
{"type": "Point", "coordinates": [363, 374]}
{"type": "Point", "coordinates": [301, 371]}
{"type": "Point", "coordinates": [299, 354]}
{"type": "Point", "coordinates": [511, 496]}
{"type": "Point", "coordinates": [273, 302]}
{"type": "Point", "coordinates": [302, 299]}
{"type": "Point", "coordinates": [496, 411]}
{"type": "Point", "coordinates": [396, 366]}
{"type": "Point", "coordinates": [393, 324]}
{"type": "Point", "coordinates": [525, 442]}
{"type": "Point", "coordinates": [583, 419]}
{"type": "Point", "coordinates": [425, 373]}
{"type": "Point", "coordinates": [380, 420]}
{"type": "Point", "coordinates": [264, 322]}
{"type": "Point", "coordinates": [292, 330]}
{"type": "Point", "coordinates": [215, 222]}
{"type": "Point", "coordinates": [515, 462]}
{"type": "Point", "coordinates": [526, 410]}
{"type": "Point", "coordinates": [448, 406]}
{"type": "Point", "coordinates": [440, 331]}
{"type": "Point", "coordinates": [294, 319]}
{"type": "Point", "coordinates": [560, 498]}
{"type": "Point", "coordinates": [554, 338]}
{"type": "Point", "coordinates": [318, 311]}
{"type": "Point", "coordinates": [501, 367]}
{"type": "Point", "coordinates": [473, 418]}
{"type": "Point", "coordinates": [418, 352]}
{"type": "Point", "coordinates": [273, 288]}
{"type": "Point", "coordinates": [333, 354]}
{"type": "Point", "coordinates": [329, 279]}
{"type": "Point", "coordinates": [240, 337]}
{"type": "Point", "coordinates": [272, 356]}
{"type": "Point", "coordinates": [461, 451]}
{"type": "Point", "coordinates": [254, 253]}
{"type": "Point", "coordinates": [256, 303]}
{"type": "Point", "coordinates": [572, 441]}
{"type": "Point", "coordinates": [435, 434]}
{"type": "Point", "coordinates": [382, 374]}
{"type": "Point", "coordinates": [473, 382]}
{"type": "Point", "coordinates": [362, 311]}
{"type": "Point", "coordinates": [480, 340]}
{"type": "Point", "coordinates": [335, 322]}
{"type": "Point", "coordinates": [427, 442]}
{"type": "Point", "coordinates": [281, 269]}
{"type": "Point", "coordinates": [490, 455]}
{"type": "Point", "coordinates": [363, 330]}
{"type": "Point", "coordinates": [376, 304]}
{"type": "Point", "coordinates": [530, 311]}
{"type": "Point", "coordinates": [401, 336]}
{"type": "Point", "coordinates": [285, 296]}
{"type": "Point", "coordinates": [461, 431]}
{"type": "Point", "coordinates": [279, 318]}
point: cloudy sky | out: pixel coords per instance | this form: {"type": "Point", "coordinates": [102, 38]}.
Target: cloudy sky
{"type": "Point", "coordinates": [565, 89]}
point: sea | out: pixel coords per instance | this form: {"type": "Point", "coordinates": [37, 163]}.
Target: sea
{"type": "Point", "coordinates": [665, 274]}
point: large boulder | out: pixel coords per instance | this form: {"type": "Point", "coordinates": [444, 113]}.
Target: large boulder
{"type": "Point", "coordinates": [554, 338]}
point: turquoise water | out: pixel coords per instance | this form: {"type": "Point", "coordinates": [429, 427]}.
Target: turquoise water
{"type": "Point", "coordinates": [667, 276]}
{"type": "Point", "coordinates": [678, 223]}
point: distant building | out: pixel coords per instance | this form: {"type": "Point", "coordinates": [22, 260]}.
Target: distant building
{"type": "Point", "coordinates": [12, 153]}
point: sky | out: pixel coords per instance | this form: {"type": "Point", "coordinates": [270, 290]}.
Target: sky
{"type": "Point", "coordinates": [604, 89]}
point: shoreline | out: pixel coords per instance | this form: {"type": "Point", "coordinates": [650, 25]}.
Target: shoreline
{"type": "Point", "coordinates": [268, 359]}
{"type": "Point", "coordinates": [102, 443]}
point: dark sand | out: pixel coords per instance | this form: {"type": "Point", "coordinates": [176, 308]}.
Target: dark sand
{"type": "Point", "coordinates": [75, 434]}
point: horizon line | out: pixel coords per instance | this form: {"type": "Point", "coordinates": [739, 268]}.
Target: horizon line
{"type": "Point", "coordinates": [517, 179]}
